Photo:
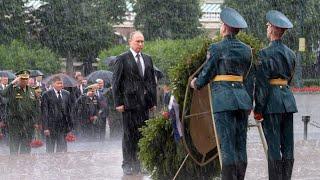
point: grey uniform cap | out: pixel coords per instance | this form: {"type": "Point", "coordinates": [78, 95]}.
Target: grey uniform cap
{"type": "Point", "coordinates": [232, 18]}
{"type": "Point", "coordinates": [278, 19]}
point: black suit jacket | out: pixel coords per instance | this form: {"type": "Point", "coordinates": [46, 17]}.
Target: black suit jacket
{"type": "Point", "coordinates": [56, 116]}
{"type": "Point", "coordinates": [129, 87]}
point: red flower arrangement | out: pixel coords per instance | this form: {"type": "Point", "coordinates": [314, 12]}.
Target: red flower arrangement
{"type": "Point", "coordinates": [70, 137]}
{"type": "Point", "coordinates": [93, 119]}
{"type": "Point", "coordinates": [306, 89]}
{"type": "Point", "coordinates": [36, 142]}
{"type": "Point", "coordinates": [1, 135]}
{"type": "Point", "coordinates": [165, 115]}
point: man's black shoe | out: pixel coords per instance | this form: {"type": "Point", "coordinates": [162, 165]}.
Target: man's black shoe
{"type": "Point", "coordinates": [127, 171]}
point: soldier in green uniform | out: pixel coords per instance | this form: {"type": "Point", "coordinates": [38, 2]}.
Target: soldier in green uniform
{"type": "Point", "coordinates": [87, 112]}
{"type": "Point", "coordinates": [227, 68]}
{"type": "Point", "coordinates": [274, 100]}
{"type": "Point", "coordinates": [21, 111]}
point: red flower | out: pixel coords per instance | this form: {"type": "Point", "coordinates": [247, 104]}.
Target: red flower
{"type": "Point", "coordinates": [36, 143]}
{"type": "Point", "coordinates": [165, 115]}
{"type": "Point", "coordinates": [93, 119]}
{"type": "Point", "coordinates": [70, 137]}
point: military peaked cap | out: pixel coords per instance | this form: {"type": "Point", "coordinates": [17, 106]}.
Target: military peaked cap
{"type": "Point", "coordinates": [232, 18]}
{"type": "Point", "coordinates": [92, 87]}
{"type": "Point", "coordinates": [278, 19]}
{"type": "Point", "coordinates": [24, 74]}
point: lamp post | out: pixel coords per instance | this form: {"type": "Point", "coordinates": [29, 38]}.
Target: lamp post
{"type": "Point", "coordinates": [298, 74]}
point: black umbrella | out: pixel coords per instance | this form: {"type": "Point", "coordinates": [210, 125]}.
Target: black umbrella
{"type": "Point", "coordinates": [66, 79]}
{"type": "Point", "coordinates": [106, 76]}
{"type": "Point", "coordinates": [110, 61]}
{"type": "Point", "coordinates": [35, 73]}
{"type": "Point", "coordinates": [158, 72]}
{"type": "Point", "coordinates": [8, 74]}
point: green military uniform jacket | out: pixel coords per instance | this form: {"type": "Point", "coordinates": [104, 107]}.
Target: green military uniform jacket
{"type": "Point", "coordinates": [228, 57]}
{"type": "Point", "coordinates": [275, 61]}
{"type": "Point", "coordinates": [86, 107]}
{"type": "Point", "coordinates": [21, 108]}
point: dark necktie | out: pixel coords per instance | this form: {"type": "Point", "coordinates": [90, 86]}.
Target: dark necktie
{"type": "Point", "coordinates": [59, 97]}
{"type": "Point", "coordinates": [139, 65]}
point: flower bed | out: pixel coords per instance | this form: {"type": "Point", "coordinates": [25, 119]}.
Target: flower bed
{"type": "Point", "coordinates": [311, 89]}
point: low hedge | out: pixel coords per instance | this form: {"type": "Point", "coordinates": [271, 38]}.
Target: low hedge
{"type": "Point", "coordinates": [311, 82]}
{"type": "Point", "coordinates": [165, 53]}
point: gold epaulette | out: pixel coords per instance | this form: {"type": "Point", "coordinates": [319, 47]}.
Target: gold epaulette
{"type": "Point", "coordinates": [278, 81]}
{"type": "Point", "coordinates": [232, 78]}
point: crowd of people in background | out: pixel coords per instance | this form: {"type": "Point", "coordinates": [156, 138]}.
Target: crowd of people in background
{"type": "Point", "coordinates": [83, 111]}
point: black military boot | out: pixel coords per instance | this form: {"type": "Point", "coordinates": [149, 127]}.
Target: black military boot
{"type": "Point", "coordinates": [229, 172]}
{"type": "Point", "coordinates": [275, 169]}
{"type": "Point", "coordinates": [241, 170]}
{"type": "Point", "coordinates": [287, 166]}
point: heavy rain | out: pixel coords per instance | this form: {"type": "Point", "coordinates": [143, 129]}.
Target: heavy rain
{"type": "Point", "coordinates": [150, 89]}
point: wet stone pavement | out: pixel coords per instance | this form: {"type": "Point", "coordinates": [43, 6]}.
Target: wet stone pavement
{"type": "Point", "coordinates": [84, 160]}
{"type": "Point", "coordinates": [102, 161]}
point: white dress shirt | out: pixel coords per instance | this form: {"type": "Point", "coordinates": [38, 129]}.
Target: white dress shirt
{"type": "Point", "coordinates": [57, 94]}
{"type": "Point", "coordinates": [136, 59]}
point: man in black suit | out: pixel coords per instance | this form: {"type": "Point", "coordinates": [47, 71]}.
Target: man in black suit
{"type": "Point", "coordinates": [56, 108]}
{"type": "Point", "coordinates": [134, 90]}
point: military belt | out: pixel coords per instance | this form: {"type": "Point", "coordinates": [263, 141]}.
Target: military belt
{"type": "Point", "coordinates": [278, 81]}
{"type": "Point", "coordinates": [232, 78]}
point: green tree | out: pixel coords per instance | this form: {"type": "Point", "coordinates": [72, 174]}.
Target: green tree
{"type": "Point", "coordinates": [173, 19]}
{"type": "Point", "coordinates": [303, 14]}
{"type": "Point", "coordinates": [12, 20]}
{"type": "Point", "coordinates": [78, 29]}
{"type": "Point", "coordinates": [17, 56]}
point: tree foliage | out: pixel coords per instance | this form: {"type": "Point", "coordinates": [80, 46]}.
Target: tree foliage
{"type": "Point", "coordinates": [303, 14]}
{"type": "Point", "coordinates": [78, 28]}
{"type": "Point", "coordinates": [12, 20]}
{"type": "Point", "coordinates": [17, 56]}
{"type": "Point", "coordinates": [173, 19]}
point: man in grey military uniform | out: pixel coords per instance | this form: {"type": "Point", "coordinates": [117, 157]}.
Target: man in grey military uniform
{"type": "Point", "coordinates": [274, 100]}
{"type": "Point", "coordinates": [227, 68]}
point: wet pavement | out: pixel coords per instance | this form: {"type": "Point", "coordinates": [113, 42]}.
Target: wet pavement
{"type": "Point", "coordinates": [102, 161]}
{"type": "Point", "coordinates": [84, 160]}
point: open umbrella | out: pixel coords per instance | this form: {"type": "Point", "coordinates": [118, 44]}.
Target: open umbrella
{"type": "Point", "coordinates": [66, 79]}
{"type": "Point", "coordinates": [158, 72]}
{"type": "Point", "coordinates": [110, 61]}
{"type": "Point", "coordinates": [8, 74]}
{"type": "Point", "coordinates": [35, 73]}
{"type": "Point", "coordinates": [106, 76]}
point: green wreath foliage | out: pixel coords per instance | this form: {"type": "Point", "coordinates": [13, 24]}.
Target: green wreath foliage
{"type": "Point", "coordinates": [159, 153]}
